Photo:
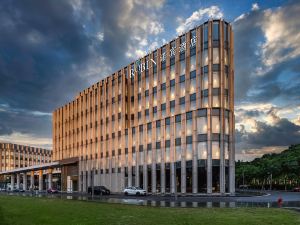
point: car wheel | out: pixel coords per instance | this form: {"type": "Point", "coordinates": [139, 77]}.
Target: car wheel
{"type": "Point", "coordinates": [126, 193]}
{"type": "Point", "coordinates": [138, 193]}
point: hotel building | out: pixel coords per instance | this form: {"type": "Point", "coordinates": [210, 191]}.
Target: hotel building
{"type": "Point", "coordinates": [164, 123]}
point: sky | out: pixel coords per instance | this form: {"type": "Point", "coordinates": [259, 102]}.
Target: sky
{"type": "Point", "coordinates": [51, 50]}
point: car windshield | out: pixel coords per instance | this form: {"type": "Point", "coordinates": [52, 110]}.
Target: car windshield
{"type": "Point", "coordinates": [138, 188]}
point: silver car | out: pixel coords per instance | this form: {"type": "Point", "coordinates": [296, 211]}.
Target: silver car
{"type": "Point", "coordinates": [134, 191]}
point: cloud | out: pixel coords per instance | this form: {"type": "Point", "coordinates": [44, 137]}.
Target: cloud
{"type": "Point", "coordinates": [267, 55]}
{"type": "Point", "coordinates": [255, 7]}
{"type": "Point", "coordinates": [198, 16]}
{"type": "Point", "coordinates": [27, 139]}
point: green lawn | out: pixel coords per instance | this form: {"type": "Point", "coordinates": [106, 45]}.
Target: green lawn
{"type": "Point", "coordinates": [42, 211]}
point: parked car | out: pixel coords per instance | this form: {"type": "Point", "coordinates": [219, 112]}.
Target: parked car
{"type": "Point", "coordinates": [134, 191]}
{"type": "Point", "coordinates": [52, 190]}
{"type": "Point", "coordinates": [296, 189]}
{"type": "Point", "coordinates": [99, 190]}
{"type": "Point", "coordinates": [18, 190]}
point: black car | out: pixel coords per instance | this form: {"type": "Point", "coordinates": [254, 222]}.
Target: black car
{"type": "Point", "coordinates": [99, 190]}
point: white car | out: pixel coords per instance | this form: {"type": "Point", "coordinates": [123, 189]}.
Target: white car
{"type": "Point", "coordinates": [134, 191]}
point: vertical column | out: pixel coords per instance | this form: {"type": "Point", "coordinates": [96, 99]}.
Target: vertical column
{"type": "Point", "coordinates": [145, 174]}
{"type": "Point", "coordinates": [49, 178]}
{"type": "Point", "coordinates": [25, 181]}
{"type": "Point", "coordinates": [209, 154]}
{"type": "Point", "coordinates": [18, 181]}
{"type": "Point", "coordinates": [183, 155]}
{"type": "Point", "coordinates": [162, 165]}
{"type": "Point", "coordinates": [12, 182]}
{"type": "Point", "coordinates": [195, 157]}
{"type": "Point", "coordinates": [129, 173]}
{"type": "Point", "coordinates": [153, 173]}
{"type": "Point", "coordinates": [84, 172]}
{"type": "Point", "coordinates": [40, 180]}
{"type": "Point", "coordinates": [32, 180]}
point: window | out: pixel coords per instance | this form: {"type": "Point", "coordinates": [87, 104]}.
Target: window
{"type": "Point", "coordinates": [163, 93]}
{"type": "Point", "coordinates": [226, 126]}
{"type": "Point", "coordinates": [201, 125]}
{"type": "Point", "coordinates": [178, 153]}
{"type": "Point", "coordinates": [149, 156]}
{"type": "Point", "coordinates": [226, 150]}
{"type": "Point", "coordinates": [205, 81]}
{"type": "Point", "coordinates": [215, 123]}
{"type": "Point", "coordinates": [172, 89]}
{"type": "Point", "coordinates": [193, 83]}
{"type": "Point", "coordinates": [172, 72]}
{"type": "Point", "coordinates": [182, 104]}
{"type": "Point", "coordinates": [216, 79]}
{"type": "Point", "coordinates": [167, 154]}
{"type": "Point", "coordinates": [189, 127]}
{"type": "Point", "coordinates": [215, 150]}
{"type": "Point", "coordinates": [216, 101]}
{"type": "Point", "coordinates": [204, 102]}
{"type": "Point", "coordinates": [163, 110]}
{"type": "Point", "coordinates": [147, 82]}
{"type": "Point", "coordinates": [193, 101]}
{"type": "Point", "coordinates": [226, 57]}
{"type": "Point", "coordinates": [141, 158]}
{"type": "Point", "coordinates": [154, 79]}
{"type": "Point", "coordinates": [163, 76]}
{"type": "Point", "coordinates": [193, 63]}
{"type": "Point", "coordinates": [205, 33]}
{"type": "Point", "coordinates": [158, 156]}
{"type": "Point", "coordinates": [216, 57]}
{"type": "Point", "coordinates": [172, 107]}
{"type": "Point", "coordinates": [205, 58]}
{"type": "Point", "coordinates": [189, 152]}
{"type": "Point", "coordinates": [202, 150]}
{"type": "Point", "coordinates": [215, 32]}
{"type": "Point", "coordinates": [182, 67]}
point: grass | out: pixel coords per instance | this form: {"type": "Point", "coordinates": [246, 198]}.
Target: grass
{"type": "Point", "coordinates": [25, 210]}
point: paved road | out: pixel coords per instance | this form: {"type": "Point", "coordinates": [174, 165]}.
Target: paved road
{"type": "Point", "coordinates": [269, 199]}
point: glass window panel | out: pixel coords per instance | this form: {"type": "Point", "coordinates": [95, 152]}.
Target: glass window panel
{"type": "Point", "coordinates": [154, 79]}
{"type": "Point", "coordinates": [158, 136]}
{"type": "Point", "coordinates": [141, 158]}
{"type": "Point", "coordinates": [172, 93]}
{"type": "Point", "coordinates": [216, 101]}
{"type": "Point", "coordinates": [216, 57]}
{"type": "Point", "coordinates": [147, 83]}
{"type": "Point", "coordinates": [163, 96]}
{"type": "Point", "coordinates": [158, 156]}
{"type": "Point", "coordinates": [226, 126]}
{"type": "Point", "coordinates": [205, 58]}
{"type": "Point", "coordinates": [193, 63]}
{"type": "Point", "coordinates": [178, 153]}
{"type": "Point", "coordinates": [154, 99]}
{"type": "Point", "coordinates": [215, 150]}
{"type": "Point", "coordinates": [182, 67]}
{"type": "Point", "coordinates": [216, 79]}
{"type": "Point", "coordinates": [178, 130]}
{"type": "Point", "coordinates": [202, 150]}
{"type": "Point", "coordinates": [225, 57]}
{"type": "Point", "coordinates": [215, 31]}
{"type": "Point", "coordinates": [167, 154]}
{"type": "Point", "coordinates": [205, 81]}
{"type": "Point", "coordinates": [163, 76]}
{"type": "Point", "coordinates": [149, 156]}
{"type": "Point", "coordinates": [168, 132]}
{"type": "Point", "coordinates": [189, 152]}
{"type": "Point", "coordinates": [205, 102]}
{"type": "Point", "coordinates": [201, 125]}
{"type": "Point", "coordinates": [172, 72]}
{"type": "Point", "coordinates": [193, 85]}
{"type": "Point", "coordinates": [182, 89]}
{"type": "Point", "coordinates": [215, 120]}
{"type": "Point", "coordinates": [226, 150]}
{"type": "Point", "coordinates": [189, 127]}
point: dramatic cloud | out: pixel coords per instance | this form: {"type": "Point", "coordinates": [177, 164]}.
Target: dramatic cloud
{"type": "Point", "coordinates": [198, 16]}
